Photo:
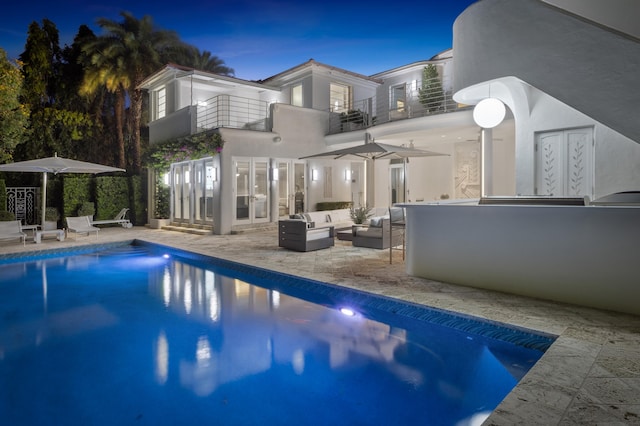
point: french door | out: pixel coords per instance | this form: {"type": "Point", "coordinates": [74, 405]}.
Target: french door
{"type": "Point", "coordinates": [181, 197]}
{"type": "Point", "coordinates": [192, 192]}
{"type": "Point", "coordinates": [251, 190]}
{"type": "Point", "coordinates": [291, 187]}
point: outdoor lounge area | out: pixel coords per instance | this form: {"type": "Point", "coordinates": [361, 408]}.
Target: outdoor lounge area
{"type": "Point", "coordinates": [590, 375]}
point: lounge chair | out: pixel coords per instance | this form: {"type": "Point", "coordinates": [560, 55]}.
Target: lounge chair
{"type": "Point", "coordinates": [81, 225]}
{"type": "Point", "coordinates": [12, 229]}
{"type": "Point", "coordinates": [119, 219]}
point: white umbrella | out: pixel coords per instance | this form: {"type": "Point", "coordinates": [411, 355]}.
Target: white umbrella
{"type": "Point", "coordinates": [55, 165]}
{"type": "Point", "coordinates": [373, 151]}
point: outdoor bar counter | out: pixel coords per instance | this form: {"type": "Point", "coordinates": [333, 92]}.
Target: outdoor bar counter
{"type": "Point", "coordinates": [581, 254]}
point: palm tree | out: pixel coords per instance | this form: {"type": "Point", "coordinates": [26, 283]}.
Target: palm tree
{"type": "Point", "coordinates": [205, 61]}
{"type": "Point", "coordinates": [119, 60]}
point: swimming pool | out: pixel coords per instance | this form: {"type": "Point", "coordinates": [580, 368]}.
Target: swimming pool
{"type": "Point", "coordinates": [126, 335]}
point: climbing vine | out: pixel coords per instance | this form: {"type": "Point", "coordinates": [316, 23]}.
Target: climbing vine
{"type": "Point", "coordinates": [161, 155]}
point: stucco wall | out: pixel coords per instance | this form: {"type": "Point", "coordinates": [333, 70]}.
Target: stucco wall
{"type": "Point", "coordinates": [579, 255]}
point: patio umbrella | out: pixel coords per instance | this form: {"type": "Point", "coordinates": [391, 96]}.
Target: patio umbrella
{"type": "Point", "coordinates": [55, 165]}
{"type": "Point", "coordinates": [374, 151]}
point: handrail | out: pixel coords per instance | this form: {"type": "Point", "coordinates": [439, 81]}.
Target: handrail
{"type": "Point", "coordinates": [232, 111]}
{"type": "Point", "coordinates": [418, 100]}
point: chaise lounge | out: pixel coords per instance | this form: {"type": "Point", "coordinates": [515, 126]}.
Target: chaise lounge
{"type": "Point", "coordinates": [118, 219]}
{"type": "Point", "coordinates": [12, 229]}
{"type": "Point", "coordinates": [81, 225]}
{"type": "Point", "coordinates": [297, 235]}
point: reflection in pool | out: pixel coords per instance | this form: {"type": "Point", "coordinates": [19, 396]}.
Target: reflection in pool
{"type": "Point", "coordinates": [126, 335]}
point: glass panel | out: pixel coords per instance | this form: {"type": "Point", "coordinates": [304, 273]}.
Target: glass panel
{"type": "Point", "coordinates": [397, 185]}
{"type": "Point", "coordinates": [209, 179]}
{"type": "Point", "coordinates": [296, 95]}
{"type": "Point", "coordinates": [177, 192]}
{"type": "Point", "coordinates": [242, 187]}
{"type": "Point", "coordinates": [284, 199]}
{"type": "Point", "coordinates": [298, 179]}
{"type": "Point", "coordinates": [339, 97]}
{"type": "Point", "coordinates": [398, 98]}
{"type": "Point", "coordinates": [199, 190]}
{"type": "Point", "coordinates": [260, 189]}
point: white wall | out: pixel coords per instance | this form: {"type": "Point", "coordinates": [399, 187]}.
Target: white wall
{"type": "Point", "coordinates": [616, 158]}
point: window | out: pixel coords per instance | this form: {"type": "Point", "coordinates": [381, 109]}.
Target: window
{"type": "Point", "coordinates": [161, 103]}
{"type": "Point", "coordinates": [296, 95]}
{"type": "Point", "coordinates": [398, 98]}
{"type": "Point", "coordinates": [339, 97]}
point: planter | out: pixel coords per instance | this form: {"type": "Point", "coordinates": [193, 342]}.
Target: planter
{"type": "Point", "coordinates": [158, 223]}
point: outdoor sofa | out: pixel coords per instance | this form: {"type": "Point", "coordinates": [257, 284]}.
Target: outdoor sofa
{"type": "Point", "coordinates": [298, 235]}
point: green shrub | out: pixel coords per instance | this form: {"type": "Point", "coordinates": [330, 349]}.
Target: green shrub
{"type": "Point", "coordinates": [3, 195]}
{"type": "Point", "coordinates": [5, 215]}
{"type": "Point", "coordinates": [87, 208]}
{"type": "Point", "coordinates": [333, 205]}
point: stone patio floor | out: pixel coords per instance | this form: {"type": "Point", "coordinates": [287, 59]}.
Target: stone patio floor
{"type": "Point", "coordinates": [590, 375]}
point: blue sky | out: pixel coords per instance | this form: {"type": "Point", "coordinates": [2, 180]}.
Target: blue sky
{"type": "Point", "coordinates": [259, 39]}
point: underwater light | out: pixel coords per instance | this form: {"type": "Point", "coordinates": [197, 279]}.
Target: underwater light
{"type": "Point", "coordinates": [166, 256]}
{"type": "Point", "coordinates": [348, 312]}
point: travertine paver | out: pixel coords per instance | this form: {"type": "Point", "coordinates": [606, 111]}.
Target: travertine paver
{"type": "Point", "coordinates": [590, 375]}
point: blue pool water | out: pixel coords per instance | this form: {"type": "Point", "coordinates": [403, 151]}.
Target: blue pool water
{"type": "Point", "coordinates": [123, 335]}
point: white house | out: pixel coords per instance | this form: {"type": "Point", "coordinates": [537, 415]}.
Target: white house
{"type": "Point", "coordinates": [571, 123]}
{"type": "Point", "coordinates": [268, 125]}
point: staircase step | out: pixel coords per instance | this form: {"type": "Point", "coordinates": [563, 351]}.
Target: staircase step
{"type": "Point", "coordinates": [200, 230]}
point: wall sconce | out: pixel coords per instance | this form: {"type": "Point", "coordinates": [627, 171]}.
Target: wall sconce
{"type": "Point", "coordinates": [347, 175]}
{"type": "Point", "coordinates": [214, 174]}
{"type": "Point", "coordinates": [314, 174]}
{"type": "Point", "coordinates": [274, 174]}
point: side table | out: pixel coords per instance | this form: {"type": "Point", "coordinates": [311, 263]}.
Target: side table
{"type": "Point", "coordinates": [59, 234]}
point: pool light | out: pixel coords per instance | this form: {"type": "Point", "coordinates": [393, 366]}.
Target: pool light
{"type": "Point", "coordinates": [348, 312]}
{"type": "Point", "coordinates": [166, 256]}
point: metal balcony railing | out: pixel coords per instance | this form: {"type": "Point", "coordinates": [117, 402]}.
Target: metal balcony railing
{"type": "Point", "coordinates": [418, 100]}
{"type": "Point", "coordinates": [233, 112]}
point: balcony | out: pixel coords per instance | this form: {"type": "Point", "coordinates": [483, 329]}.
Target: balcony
{"type": "Point", "coordinates": [418, 101]}
{"type": "Point", "coordinates": [232, 112]}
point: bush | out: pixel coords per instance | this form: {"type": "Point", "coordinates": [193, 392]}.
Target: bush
{"type": "Point", "coordinates": [87, 208]}
{"type": "Point", "coordinates": [5, 215]}
{"type": "Point", "coordinates": [333, 205]}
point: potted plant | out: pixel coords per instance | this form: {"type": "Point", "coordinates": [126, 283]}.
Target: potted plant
{"type": "Point", "coordinates": [161, 208]}
{"type": "Point", "coordinates": [360, 214]}
{"type": "Point", "coordinates": [51, 218]}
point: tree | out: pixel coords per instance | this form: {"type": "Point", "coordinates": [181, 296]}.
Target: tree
{"type": "Point", "coordinates": [55, 125]}
{"type": "Point", "coordinates": [120, 59]}
{"type": "Point", "coordinates": [204, 61]}
{"type": "Point", "coordinates": [430, 93]}
{"type": "Point", "coordinates": [13, 114]}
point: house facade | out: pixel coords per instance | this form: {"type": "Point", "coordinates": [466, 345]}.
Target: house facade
{"type": "Point", "coordinates": [267, 126]}
{"type": "Point", "coordinates": [552, 142]}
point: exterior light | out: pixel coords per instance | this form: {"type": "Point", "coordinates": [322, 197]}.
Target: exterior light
{"type": "Point", "coordinates": [489, 113]}
{"type": "Point", "coordinates": [314, 174]}
{"type": "Point", "coordinates": [347, 175]}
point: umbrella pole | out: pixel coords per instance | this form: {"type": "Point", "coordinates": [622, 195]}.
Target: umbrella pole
{"type": "Point", "coordinates": [44, 198]}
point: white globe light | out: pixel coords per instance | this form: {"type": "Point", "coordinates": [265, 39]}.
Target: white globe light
{"type": "Point", "coordinates": [489, 113]}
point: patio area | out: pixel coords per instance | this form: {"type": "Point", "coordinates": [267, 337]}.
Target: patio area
{"type": "Point", "coordinates": [591, 375]}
